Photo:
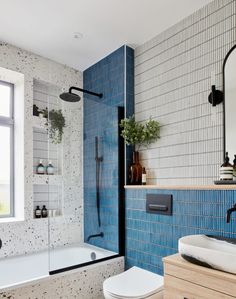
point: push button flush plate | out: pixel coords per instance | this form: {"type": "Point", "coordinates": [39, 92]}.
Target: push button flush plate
{"type": "Point", "coordinates": [159, 204]}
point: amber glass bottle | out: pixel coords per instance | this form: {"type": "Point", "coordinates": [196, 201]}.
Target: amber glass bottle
{"type": "Point", "coordinates": [136, 170]}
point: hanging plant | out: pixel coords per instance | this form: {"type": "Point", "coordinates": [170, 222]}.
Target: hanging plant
{"type": "Point", "coordinates": [136, 133]}
{"type": "Point", "coordinates": [56, 124]}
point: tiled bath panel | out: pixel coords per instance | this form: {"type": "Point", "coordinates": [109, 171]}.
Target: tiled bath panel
{"type": "Point", "coordinates": [83, 283]}
{"type": "Point", "coordinates": [150, 237]}
{"type": "Point", "coordinates": [31, 235]}
{"type": "Point", "coordinates": [172, 84]}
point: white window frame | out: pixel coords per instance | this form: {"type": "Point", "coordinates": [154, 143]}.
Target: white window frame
{"type": "Point", "coordinates": [9, 122]}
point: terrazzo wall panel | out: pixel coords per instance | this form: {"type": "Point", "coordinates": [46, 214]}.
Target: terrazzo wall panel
{"type": "Point", "coordinates": [31, 234]}
{"type": "Point", "coordinates": [80, 284]}
{"type": "Point", "coordinates": [151, 237]}
{"type": "Point", "coordinates": [113, 76]}
{"type": "Point", "coordinates": [172, 84]}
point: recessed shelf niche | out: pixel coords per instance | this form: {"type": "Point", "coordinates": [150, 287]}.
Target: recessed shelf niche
{"type": "Point", "coordinates": [47, 189]}
{"type": "Point", "coordinates": [45, 96]}
{"type": "Point", "coordinates": [50, 196]}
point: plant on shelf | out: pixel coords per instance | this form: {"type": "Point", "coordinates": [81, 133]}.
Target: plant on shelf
{"type": "Point", "coordinates": [56, 124]}
{"type": "Point", "coordinates": [138, 134]}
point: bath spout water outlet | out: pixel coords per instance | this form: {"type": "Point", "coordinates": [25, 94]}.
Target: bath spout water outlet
{"type": "Point", "coordinates": [95, 236]}
{"type": "Point", "coordinates": [229, 212]}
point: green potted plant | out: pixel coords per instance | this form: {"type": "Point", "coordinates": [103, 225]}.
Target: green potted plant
{"type": "Point", "coordinates": [56, 124]}
{"type": "Point", "coordinates": [138, 134]}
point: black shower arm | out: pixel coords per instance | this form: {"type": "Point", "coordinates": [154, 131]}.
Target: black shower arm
{"type": "Point", "coordinates": [100, 95]}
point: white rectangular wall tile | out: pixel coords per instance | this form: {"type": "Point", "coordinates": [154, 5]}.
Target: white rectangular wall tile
{"type": "Point", "coordinates": [172, 84]}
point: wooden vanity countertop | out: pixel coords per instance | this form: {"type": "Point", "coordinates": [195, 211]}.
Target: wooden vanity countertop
{"type": "Point", "coordinates": [219, 281]}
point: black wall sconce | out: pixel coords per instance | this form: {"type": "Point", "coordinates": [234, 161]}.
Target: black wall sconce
{"type": "Point", "coordinates": [216, 96]}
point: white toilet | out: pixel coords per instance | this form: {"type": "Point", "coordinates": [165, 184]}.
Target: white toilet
{"type": "Point", "coordinates": [134, 283]}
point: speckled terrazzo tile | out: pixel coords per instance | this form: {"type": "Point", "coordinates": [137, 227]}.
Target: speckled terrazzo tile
{"type": "Point", "coordinates": [31, 235]}
{"type": "Point", "coordinates": [83, 283]}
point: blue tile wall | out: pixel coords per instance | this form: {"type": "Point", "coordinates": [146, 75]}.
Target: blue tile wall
{"type": "Point", "coordinates": [113, 76]}
{"type": "Point", "coordinates": [150, 237]}
{"type": "Point", "coordinates": [129, 100]}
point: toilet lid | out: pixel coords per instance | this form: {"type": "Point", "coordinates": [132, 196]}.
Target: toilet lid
{"type": "Point", "coordinates": [134, 283]}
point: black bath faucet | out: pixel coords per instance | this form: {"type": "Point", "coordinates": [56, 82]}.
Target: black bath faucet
{"type": "Point", "coordinates": [229, 212]}
{"type": "Point", "coordinates": [95, 236]}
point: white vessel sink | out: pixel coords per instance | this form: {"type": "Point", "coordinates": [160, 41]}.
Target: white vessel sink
{"type": "Point", "coordinates": [209, 251]}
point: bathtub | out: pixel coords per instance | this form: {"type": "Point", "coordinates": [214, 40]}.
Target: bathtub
{"type": "Point", "coordinates": [24, 269]}
{"type": "Point", "coordinates": [71, 256]}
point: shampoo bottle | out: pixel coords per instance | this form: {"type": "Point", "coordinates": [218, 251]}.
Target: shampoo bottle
{"type": "Point", "coordinates": [44, 212]}
{"type": "Point", "coordinates": [50, 168]}
{"type": "Point", "coordinates": [38, 212]}
{"type": "Point", "coordinates": [40, 168]}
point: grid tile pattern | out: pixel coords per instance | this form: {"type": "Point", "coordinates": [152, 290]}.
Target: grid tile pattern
{"type": "Point", "coordinates": [172, 84]}
{"type": "Point", "coordinates": [150, 237]}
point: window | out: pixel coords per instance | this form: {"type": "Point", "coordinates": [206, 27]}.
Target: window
{"type": "Point", "coordinates": [6, 149]}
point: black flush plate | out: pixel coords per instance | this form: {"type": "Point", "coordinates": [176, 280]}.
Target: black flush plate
{"type": "Point", "coordinates": [159, 204]}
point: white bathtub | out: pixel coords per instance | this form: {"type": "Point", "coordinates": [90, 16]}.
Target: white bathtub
{"type": "Point", "coordinates": [24, 269]}
{"type": "Point", "coordinates": [75, 255]}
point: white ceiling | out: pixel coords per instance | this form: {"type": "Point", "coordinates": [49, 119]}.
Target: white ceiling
{"type": "Point", "coordinates": [46, 27]}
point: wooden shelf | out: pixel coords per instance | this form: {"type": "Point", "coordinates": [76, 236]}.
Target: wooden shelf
{"type": "Point", "coordinates": [191, 187]}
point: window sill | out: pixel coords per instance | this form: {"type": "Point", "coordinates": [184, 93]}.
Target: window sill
{"type": "Point", "coordinates": [11, 219]}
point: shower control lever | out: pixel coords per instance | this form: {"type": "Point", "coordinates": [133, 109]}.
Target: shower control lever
{"type": "Point", "coordinates": [99, 159]}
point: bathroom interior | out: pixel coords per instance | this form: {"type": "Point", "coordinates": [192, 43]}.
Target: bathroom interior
{"type": "Point", "coordinates": [118, 159]}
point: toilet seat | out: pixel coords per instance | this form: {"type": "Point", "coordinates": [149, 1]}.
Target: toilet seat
{"type": "Point", "coordinates": [134, 283]}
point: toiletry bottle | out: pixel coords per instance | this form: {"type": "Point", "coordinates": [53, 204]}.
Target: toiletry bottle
{"type": "Point", "coordinates": [226, 169]}
{"type": "Point", "coordinates": [44, 212]}
{"type": "Point", "coordinates": [50, 168]}
{"type": "Point", "coordinates": [40, 168]}
{"type": "Point", "coordinates": [38, 212]}
{"type": "Point", "coordinates": [234, 168]}
{"type": "Point", "coordinates": [144, 176]}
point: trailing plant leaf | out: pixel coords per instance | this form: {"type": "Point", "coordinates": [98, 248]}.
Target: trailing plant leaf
{"type": "Point", "coordinates": [56, 124]}
{"type": "Point", "coordinates": [135, 133]}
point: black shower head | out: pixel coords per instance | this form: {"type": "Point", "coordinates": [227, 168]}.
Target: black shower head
{"type": "Point", "coordinates": [70, 97]}
{"type": "Point", "coordinates": [73, 97]}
